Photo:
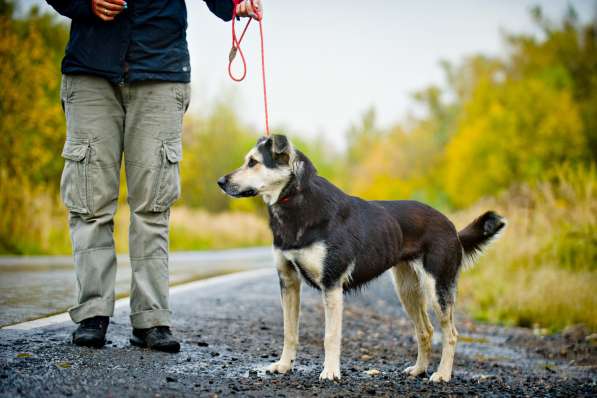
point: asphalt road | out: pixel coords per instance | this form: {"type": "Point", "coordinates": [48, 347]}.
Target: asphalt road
{"type": "Point", "coordinates": [231, 328]}
{"type": "Point", "coordinates": [33, 287]}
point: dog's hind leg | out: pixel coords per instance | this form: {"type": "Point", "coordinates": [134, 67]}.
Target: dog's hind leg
{"type": "Point", "coordinates": [444, 266]}
{"type": "Point", "coordinates": [449, 339]}
{"type": "Point", "coordinates": [411, 291]}
{"type": "Point", "coordinates": [290, 293]}
{"type": "Point", "coordinates": [445, 314]}
{"type": "Point", "coordinates": [333, 303]}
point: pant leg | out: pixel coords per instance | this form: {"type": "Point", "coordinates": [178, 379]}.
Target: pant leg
{"type": "Point", "coordinates": [89, 187]}
{"type": "Point", "coordinates": [152, 151]}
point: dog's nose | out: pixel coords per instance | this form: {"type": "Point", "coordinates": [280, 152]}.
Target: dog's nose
{"type": "Point", "coordinates": [222, 182]}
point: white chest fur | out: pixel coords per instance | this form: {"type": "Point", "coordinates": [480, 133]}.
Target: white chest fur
{"type": "Point", "coordinates": [310, 260]}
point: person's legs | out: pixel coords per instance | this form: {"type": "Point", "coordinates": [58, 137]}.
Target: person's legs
{"type": "Point", "coordinates": [89, 188]}
{"type": "Point", "coordinates": [152, 151]}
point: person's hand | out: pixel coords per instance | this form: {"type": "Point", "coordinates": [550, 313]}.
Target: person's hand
{"type": "Point", "coordinates": [107, 10]}
{"type": "Point", "coordinates": [245, 9]}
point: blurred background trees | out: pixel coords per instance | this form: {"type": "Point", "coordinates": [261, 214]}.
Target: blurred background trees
{"type": "Point", "coordinates": [31, 125]}
{"type": "Point", "coordinates": [493, 124]}
{"type": "Point", "coordinates": [516, 132]}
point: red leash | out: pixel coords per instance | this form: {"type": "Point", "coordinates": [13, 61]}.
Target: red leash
{"type": "Point", "coordinates": [236, 48]}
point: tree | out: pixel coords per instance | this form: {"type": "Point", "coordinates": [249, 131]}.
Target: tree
{"type": "Point", "coordinates": [31, 122]}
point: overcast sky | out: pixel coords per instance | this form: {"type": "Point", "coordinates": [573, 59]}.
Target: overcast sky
{"type": "Point", "coordinates": [328, 61]}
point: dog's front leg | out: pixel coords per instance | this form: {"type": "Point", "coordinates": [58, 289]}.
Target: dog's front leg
{"type": "Point", "coordinates": [290, 292]}
{"type": "Point", "coordinates": [332, 300]}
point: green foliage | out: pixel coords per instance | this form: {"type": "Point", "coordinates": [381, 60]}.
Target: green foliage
{"type": "Point", "coordinates": [522, 128]}
{"type": "Point", "coordinates": [496, 122]}
{"type": "Point", "coordinates": [513, 131]}
{"type": "Point", "coordinates": [329, 162]}
{"type": "Point", "coordinates": [31, 125]}
{"type": "Point", "coordinates": [216, 144]}
{"type": "Point", "coordinates": [213, 146]}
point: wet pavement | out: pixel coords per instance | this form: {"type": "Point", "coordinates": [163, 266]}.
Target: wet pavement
{"type": "Point", "coordinates": [33, 287]}
{"type": "Point", "coordinates": [231, 328]}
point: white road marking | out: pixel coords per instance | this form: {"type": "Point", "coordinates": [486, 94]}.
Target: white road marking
{"type": "Point", "coordinates": [124, 302]}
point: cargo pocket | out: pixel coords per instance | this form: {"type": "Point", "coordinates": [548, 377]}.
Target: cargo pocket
{"type": "Point", "coordinates": [75, 184]}
{"type": "Point", "coordinates": [167, 187]}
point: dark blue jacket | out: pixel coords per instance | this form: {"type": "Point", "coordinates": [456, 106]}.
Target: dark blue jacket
{"type": "Point", "coordinates": [147, 41]}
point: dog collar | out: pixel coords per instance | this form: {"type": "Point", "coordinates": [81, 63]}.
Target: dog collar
{"type": "Point", "coordinates": [283, 200]}
{"type": "Point", "coordinates": [287, 192]}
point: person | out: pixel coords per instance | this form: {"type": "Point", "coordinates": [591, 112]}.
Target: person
{"type": "Point", "coordinates": [125, 89]}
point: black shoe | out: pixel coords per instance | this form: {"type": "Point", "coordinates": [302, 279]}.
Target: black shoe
{"type": "Point", "coordinates": [157, 338]}
{"type": "Point", "coordinates": [92, 332]}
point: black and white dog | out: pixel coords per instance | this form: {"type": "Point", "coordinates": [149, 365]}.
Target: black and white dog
{"type": "Point", "coordinates": [337, 242]}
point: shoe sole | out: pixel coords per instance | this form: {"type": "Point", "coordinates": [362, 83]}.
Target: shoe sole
{"type": "Point", "coordinates": [137, 342]}
{"type": "Point", "coordinates": [90, 344]}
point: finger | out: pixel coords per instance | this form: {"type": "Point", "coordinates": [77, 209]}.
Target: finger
{"type": "Point", "coordinates": [105, 13]}
{"type": "Point", "coordinates": [257, 12]}
{"type": "Point", "coordinates": [105, 18]}
{"type": "Point", "coordinates": [112, 9]}
{"type": "Point", "coordinates": [104, 5]}
{"type": "Point", "coordinates": [249, 8]}
{"type": "Point", "coordinates": [256, 5]}
{"type": "Point", "coordinates": [116, 2]}
{"type": "Point", "coordinates": [242, 9]}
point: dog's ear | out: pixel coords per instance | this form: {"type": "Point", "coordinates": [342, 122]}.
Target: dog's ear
{"type": "Point", "coordinates": [280, 144]}
{"type": "Point", "coordinates": [303, 170]}
{"type": "Point", "coordinates": [281, 149]}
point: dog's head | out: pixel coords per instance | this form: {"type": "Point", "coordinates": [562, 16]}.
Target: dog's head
{"type": "Point", "coordinates": [268, 167]}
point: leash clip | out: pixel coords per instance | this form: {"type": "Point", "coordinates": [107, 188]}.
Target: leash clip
{"type": "Point", "coordinates": [232, 53]}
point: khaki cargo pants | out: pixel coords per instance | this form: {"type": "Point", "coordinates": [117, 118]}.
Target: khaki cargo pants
{"type": "Point", "coordinates": [143, 121]}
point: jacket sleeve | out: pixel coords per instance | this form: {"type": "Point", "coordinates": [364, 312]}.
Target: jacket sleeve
{"type": "Point", "coordinates": [221, 8]}
{"type": "Point", "coordinates": [73, 9]}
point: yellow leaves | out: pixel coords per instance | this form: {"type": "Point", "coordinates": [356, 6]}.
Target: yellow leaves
{"type": "Point", "coordinates": [31, 126]}
{"type": "Point", "coordinates": [526, 129]}
{"type": "Point", "coordinates": [24, 355]}
{"type": "Point", "coordinates": [31, 114]}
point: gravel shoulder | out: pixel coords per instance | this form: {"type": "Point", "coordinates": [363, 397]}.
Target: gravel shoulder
{"type": "Point", "coordinates": [231, 328]}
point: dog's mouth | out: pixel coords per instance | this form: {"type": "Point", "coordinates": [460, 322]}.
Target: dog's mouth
{"type": "Point", "coordinates": [236, 192]}
{"type": "Point", "coordinates": [247, 193]}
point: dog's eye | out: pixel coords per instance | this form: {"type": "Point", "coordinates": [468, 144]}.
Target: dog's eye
{"type": "Point", "coordinates": [252, 162]}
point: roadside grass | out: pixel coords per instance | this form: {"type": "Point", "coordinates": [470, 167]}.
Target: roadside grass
{"type": "Point", "coordinates": [200, 230]}
{"type": "Point", "coordinates": [542, 272]}
{"type": "Point", "coordinates": [190, 229]}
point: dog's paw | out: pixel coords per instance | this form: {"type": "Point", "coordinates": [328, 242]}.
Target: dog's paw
{"type": "Point", "coordinates": [438, 377]}
{"type": "Point", "coordinates": [414, 370]}
{"type": "Point", "coordinates": [279, 367]}
{"type": "Point", "coordinates": [330, 373]}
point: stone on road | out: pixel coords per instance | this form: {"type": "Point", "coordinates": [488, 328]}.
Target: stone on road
{"type": "Point", "coordinates": [231, 329]}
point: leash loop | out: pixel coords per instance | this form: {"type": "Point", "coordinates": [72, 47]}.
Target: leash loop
{"type": "Point", "coordinates": [236, 49]}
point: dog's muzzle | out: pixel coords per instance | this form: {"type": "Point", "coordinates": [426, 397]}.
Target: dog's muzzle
{"type": "Point", "coordinates": [222, 182]}
{"type": "Point", "coordinates": [233, 190]}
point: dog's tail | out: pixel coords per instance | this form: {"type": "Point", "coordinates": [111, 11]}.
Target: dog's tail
{"type": "Point", "coordinates": [480, 233]}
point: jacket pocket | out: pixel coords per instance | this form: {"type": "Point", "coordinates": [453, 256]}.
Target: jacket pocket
{"type": "Point", "coordinates": [75, 183]}
{"type": "Point", "coordinates": [167, 186]}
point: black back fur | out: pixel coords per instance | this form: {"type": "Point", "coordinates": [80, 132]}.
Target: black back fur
{"type": "Point", "coordinates": [372, 235]}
